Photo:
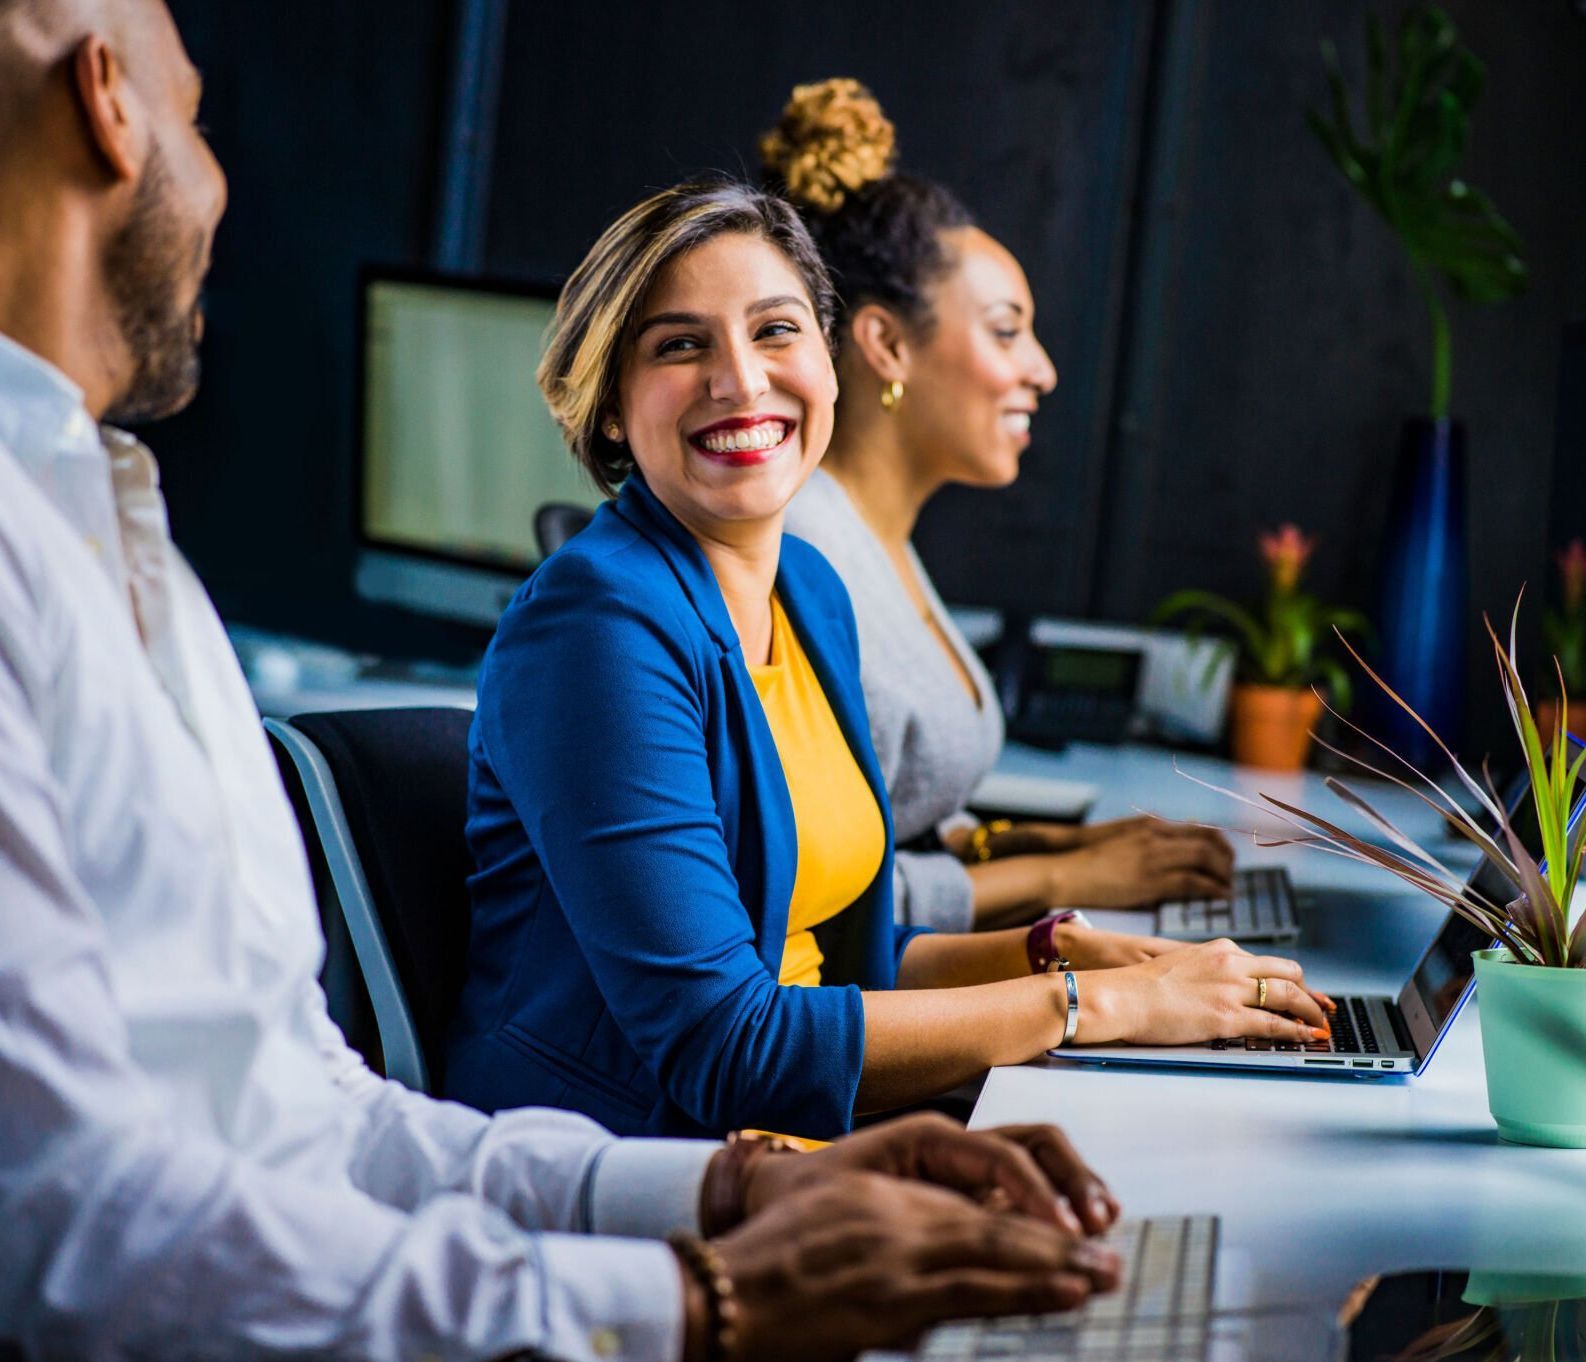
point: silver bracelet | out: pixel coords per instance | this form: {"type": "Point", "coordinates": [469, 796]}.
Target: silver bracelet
{"type": "Point", "coordinates": [1071, 1023]}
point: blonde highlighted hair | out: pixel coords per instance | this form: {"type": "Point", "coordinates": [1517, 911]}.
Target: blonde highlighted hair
{"type": "Point", "coordinates": [601, 301]}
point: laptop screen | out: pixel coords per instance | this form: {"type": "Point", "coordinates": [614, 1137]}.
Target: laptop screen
{"type": "Point", "coordinates": [1445, 970]}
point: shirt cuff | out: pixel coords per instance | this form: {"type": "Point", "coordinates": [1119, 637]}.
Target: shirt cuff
{"type": "Point", "coordinates": [933, 889]}
{"type": "Point", "coordinates": [647, 1189]}
{"type": "Point", "coordinates": [609, 1300]}
{"type": "Point", "coordinates": [962, 821]}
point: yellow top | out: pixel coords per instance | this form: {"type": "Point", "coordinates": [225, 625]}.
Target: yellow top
{"type": "Point", "coordinates": [841, 837]}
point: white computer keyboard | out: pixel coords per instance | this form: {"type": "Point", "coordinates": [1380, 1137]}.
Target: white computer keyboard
{"type": "Point", "coordinates": [1261, 908]}
{"type": "Point", "coordinates": [1161, 1311]}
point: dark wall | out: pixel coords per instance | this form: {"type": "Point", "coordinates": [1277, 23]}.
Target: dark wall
{"type": "Point", "coordinates": [1237, 335]}
{"type": "Point", "coordinates": [1281, 341]}
{"type": "Point", "coordinates": [1033, 121]}
{"type": "Point", "coordinates": [326, 118]}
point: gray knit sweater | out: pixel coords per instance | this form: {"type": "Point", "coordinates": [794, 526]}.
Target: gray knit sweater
{"type": "Point", "coordinates": [934, 742]}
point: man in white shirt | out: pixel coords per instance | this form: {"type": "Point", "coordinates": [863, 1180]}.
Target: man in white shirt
{"type": "Point", "coordinates": [193, 1163]}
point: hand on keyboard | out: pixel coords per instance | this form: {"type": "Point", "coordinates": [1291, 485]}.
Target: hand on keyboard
{"type": "Point", "coordinates": [1142, 862]}
{"type": "Point", "coordinates": [1028, 1168]}
{"type": "Point", "coordinates": [1201, 992]}
{"type": "Point", "coordinates": [866, 1261]}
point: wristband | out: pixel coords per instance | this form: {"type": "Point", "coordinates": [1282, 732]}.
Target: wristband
{"type": "Point", "coordinates": [705, 1266]}
{"type": "Point", "coordinates": [1071, 1022]}
{"type": "Point", "coordinates": [721, 1200]}
{"type": "Point", "coordinates": [1039, 945]}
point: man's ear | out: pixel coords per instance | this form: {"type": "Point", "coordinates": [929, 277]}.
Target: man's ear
{"type": "Point", "coordinates": [112, 112]}
{"type": "Point", "coordinates": [880, 338]}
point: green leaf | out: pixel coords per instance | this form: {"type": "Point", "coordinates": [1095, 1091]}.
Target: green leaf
{"type": "Point", "coordinates": [1338, 93]}
{"type": "Point", "coordinates": [1468, 81]}
{"type": "Point", "coordinates": [1343, 157]}
{"type": "Point", "coordinates": [1338, 684]}
{"type": "Point", "coordinates": [1209, 604]}
{"type": "Point", "coordinates": [1376, 60]}
{"type": "Point", "coordinates": [1418, 107]}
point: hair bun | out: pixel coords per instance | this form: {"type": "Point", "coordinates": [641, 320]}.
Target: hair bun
{"type": "Point", "coordinates": [832, 140]}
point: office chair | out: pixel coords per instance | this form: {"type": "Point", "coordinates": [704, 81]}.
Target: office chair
{"type": "Point", "coordinates": [558, 521]}
{"type": "Point", "coordinates": [386, 791]}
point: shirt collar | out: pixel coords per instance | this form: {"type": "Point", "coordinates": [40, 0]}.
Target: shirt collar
{"type": "Point", "coordinates": [41, 410]}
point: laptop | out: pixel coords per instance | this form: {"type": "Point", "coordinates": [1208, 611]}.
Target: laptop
{"type": "Point", "coordinates": [1259, 907]}
{"type": "Point", "coordinates": [1374, 1036]}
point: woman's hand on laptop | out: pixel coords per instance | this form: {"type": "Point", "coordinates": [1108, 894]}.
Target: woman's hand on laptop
{"type": "Point", "coordinates": [1203, 992]}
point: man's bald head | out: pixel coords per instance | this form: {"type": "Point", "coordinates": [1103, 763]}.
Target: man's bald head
{"type": "Point", "coordinates": [109, 198]}
{"type": "Point", "coordinates": [38, 37]}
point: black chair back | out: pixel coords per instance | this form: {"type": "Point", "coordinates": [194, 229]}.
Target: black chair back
{"type": "Point", "coordinates": [558, 521]}
{"type": "Point", "coordinates": [402, 775]}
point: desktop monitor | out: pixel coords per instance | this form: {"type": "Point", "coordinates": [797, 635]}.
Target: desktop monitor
{"type": "Point", "coordinates": [456, 448]}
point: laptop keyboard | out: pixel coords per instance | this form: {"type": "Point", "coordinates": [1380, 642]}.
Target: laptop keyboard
{"type": "Point", "coordinates": [1353, 1034]}
{"type": "Point", "coordinates": [1161, 1311]}
{"type": "Point", "coordinates": [1262, 905]}
{"type": "Point", "coordinates": [1352, 1028]}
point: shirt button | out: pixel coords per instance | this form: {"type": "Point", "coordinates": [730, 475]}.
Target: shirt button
{"type": "Point", "coordinates": [605, 1342]}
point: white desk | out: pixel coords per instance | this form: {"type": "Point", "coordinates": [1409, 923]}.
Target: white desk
{"type": "Point", "coordinates": [1319, 1181]}
{"type": "Point", "coordinates": [1135, 778]}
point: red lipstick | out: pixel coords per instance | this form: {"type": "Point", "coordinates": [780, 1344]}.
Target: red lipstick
{"type": "Point", "coordinates": [743, 441]}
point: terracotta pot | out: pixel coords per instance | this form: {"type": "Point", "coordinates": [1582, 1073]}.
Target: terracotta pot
{"type": "Point", "coordinates": [1547, 719]}
{"type": "Point", "coordinates": [1272, 726]}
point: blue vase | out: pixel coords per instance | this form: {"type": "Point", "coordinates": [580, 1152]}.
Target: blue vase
{"type": "Point", "coordinates": [1424, 589]}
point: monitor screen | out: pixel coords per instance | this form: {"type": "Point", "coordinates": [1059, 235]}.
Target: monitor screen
{"type": "Point", "coordinates": [459, 450]}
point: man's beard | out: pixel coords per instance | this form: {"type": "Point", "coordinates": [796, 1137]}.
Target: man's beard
{"type": "Point", "coordinates": [149, 263]}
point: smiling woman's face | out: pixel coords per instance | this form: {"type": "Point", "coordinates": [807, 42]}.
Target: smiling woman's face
{"type": "Point", "coordinates": [975, 383]}
{"type": "Point", "coordinates": [726, 391]}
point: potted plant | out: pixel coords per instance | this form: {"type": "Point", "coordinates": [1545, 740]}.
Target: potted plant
{"type": "Point", "coordinates": [1282, 652]}
{"type": "Point", "coordinates": [1404, 162]}
{"type": "Point", "coordinates": [1519, 1317]}
{"type": "Point", "coordinates": [1533, 986]}
{"type": "Point", "coordinates": [1564, 632]}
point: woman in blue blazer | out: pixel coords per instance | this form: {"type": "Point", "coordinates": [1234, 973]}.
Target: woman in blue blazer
{"type": "Point", "coordinates": [634, 832]}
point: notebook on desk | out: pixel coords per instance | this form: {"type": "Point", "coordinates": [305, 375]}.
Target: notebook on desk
{"type": "Point", "coordinates": [1374, 1036]}
{"type": "Point", "coordinates": [1024, 796]}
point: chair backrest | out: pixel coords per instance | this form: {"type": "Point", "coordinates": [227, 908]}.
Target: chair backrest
{"type": "Point", "coordinates": [558, 521]}
{"type": "Point", "coordinates": [400, 795]}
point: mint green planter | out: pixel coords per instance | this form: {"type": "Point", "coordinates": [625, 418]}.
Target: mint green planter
{"type": "Point", "coordinates": [1533, 1040]}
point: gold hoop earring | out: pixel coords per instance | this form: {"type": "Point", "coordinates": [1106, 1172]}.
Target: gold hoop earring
{"type": "Point", "coordinates": [891, 395]}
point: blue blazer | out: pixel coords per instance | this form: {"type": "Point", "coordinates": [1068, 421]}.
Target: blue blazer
{"type": "Point", "coordinates": [635, 851]}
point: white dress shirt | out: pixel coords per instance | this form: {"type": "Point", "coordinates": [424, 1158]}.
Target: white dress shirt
{"type": "Point", "coordinates": [193, 1163]}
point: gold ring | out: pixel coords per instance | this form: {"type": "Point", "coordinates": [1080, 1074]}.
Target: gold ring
{"type": "Point", "coordinates": [1261, 993]}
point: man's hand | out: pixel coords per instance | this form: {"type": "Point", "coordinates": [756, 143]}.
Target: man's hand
{"type": "Point", "coordinates": [856, 1260]}
{"type": "Point", "coordinates": [1031, 1169]}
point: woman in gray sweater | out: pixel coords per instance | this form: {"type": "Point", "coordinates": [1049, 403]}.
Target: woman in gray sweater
{"type": "Point", "coordinates": [941, 374]}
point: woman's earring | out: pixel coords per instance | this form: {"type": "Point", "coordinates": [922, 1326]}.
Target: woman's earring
{"type": "Point", "coordinates": [891, 395]}
{"type": "Point", "coordinates": [613, 432]}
